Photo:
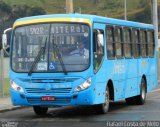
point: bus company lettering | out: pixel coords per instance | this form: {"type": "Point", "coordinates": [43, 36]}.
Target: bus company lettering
{"type": "Point", "coordinates": [68, 29]}
{"type": "Point", "coordinates": [144, 63]}
{"type": "Point", "coordinates": [119, 68]}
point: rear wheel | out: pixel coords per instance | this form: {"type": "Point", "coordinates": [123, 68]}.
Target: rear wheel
{"type": "Point", "coordinates": [40, 110]}
{"type": "Point", "coordinates": [103, 108]}
{"type": "Point", "coordinates": [140, 99]}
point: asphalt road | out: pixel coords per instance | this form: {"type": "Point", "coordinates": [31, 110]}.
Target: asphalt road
{"type": "Point", "coordinates": [86, 116]}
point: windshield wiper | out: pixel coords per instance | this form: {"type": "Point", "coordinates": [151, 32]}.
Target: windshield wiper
{"type": "Point", "coordinates": [41, 51]}
{"type": "Point", "coordinates": [59, 57]}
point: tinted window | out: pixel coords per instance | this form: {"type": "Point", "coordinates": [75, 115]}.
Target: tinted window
{"type": "Point", "coordinates": [110, 42]}
{"type": "Point", "coordinates": [127, 42]}
{"type": "Point", "coordinates": [143, 42]}
{"type": "Point", "coordinates": [151, 43]}
{"type": "Point", "coordinates": [118, 42]}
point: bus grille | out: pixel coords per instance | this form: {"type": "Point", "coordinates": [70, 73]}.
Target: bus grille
{"type": "Point", "coordinates": [51, 80]}
{"type": "Point", "coordinates": [57, 101]}
{"type": "Point", "coordinates": [48, 91]}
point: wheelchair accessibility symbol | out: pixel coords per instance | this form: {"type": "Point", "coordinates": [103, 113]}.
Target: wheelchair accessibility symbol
{"type": "Point", "coordinates": [52, 66]}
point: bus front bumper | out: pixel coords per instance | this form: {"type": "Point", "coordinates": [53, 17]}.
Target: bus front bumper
{"type": "Point", "coordinates": [85, 97]}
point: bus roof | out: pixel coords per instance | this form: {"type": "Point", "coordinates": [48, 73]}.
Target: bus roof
{"type": "Point", "coordinates": [92, 18]}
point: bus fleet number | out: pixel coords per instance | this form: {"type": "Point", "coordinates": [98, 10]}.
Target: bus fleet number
{"type": "Point", "coordinates": [36, 30]}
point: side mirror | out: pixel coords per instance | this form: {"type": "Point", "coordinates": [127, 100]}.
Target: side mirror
{"type": "Point", "coordinates": [4, 40]}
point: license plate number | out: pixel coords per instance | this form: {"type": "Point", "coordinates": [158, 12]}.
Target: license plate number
{"type": "Point", "coordinates": [48, 98]}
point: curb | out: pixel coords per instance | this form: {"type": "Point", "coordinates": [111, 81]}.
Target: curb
{"type": "Point", "coordinates": [11, 108]}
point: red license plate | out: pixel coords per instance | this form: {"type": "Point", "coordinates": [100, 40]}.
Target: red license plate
{"type": "Point", "coordinates": [48, 98]}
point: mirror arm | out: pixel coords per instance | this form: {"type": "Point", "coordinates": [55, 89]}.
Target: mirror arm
{"type": "Point", "coordinates": [6, 30]}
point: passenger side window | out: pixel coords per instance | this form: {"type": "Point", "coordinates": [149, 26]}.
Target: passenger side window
{"type": "Point", "coordinates": [136, 43]}
{"type": "Point", "coordinates": [151, 43]}
{"type": "Point", "coordinates": [127, 42]}
{"type": "Point", "coordinates": [118, 42]}
{"type": "Point", "coordinates": [143, 41]}
{"type": "Point", "coordinates": [110, 42]}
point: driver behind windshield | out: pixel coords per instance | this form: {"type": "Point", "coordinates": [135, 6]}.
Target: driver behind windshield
{"type": "Point", "coordinates": [81, 50]}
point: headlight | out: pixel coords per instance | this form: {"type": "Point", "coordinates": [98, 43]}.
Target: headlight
{"type": "Point", "coordinates": [83, 86]}
{"type": "Point", "coordinates": [16, 87]}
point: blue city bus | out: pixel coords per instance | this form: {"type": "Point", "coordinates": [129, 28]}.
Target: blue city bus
{"type": "Point", "coordinates": [79, 59]}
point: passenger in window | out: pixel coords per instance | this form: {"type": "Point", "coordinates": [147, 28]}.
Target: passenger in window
{"type": "Point", "coordinates": [81, 50]}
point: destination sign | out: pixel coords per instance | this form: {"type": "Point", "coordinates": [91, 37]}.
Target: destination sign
{"type": "Point", "coordinates": [69, 29]}
{"type": "Point", "coordinates": [44, 29]}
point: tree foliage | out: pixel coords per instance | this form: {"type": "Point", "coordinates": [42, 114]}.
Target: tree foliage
{"type": "Point", "coordinates": [5, 7]}
{"type": "Point", "coordinates": [19, 11]}
{"type": "Point", "coordinates": [144, 15]}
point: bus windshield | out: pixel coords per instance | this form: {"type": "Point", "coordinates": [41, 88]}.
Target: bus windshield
{"type": "Point", "coordinates": [65, 45]}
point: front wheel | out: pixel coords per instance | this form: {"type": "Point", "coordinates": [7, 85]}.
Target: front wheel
{"type": "Point", "coordinates": [103, 108]}
{"type": "Point", "coordinates": [40, 110]}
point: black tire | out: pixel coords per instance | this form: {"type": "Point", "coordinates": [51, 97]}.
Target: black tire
{"type": "Point", "coordinates": [40, 110]}
{"type": "Point", "coordinates": [104, 108]}
{"type": "Point", "coordinates": [140, 99]}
